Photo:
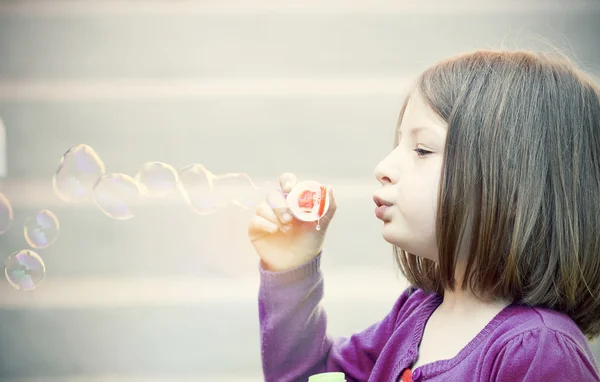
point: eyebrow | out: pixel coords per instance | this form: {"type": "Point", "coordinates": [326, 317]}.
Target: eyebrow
{"type": "Point", "coordinates": [421, 129]}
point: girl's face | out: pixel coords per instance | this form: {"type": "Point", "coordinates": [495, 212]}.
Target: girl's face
{"type": "Point", "coordinates": [410, 177]}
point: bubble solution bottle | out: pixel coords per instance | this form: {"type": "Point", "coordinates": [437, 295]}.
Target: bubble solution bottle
{"type": "Point", "coordinates": [328, 377]}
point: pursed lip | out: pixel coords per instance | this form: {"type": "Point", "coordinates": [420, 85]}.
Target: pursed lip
{"type": "Point", "coordinates": [379, 202]}
{"type": "Point", "coordinates": [381, 207]}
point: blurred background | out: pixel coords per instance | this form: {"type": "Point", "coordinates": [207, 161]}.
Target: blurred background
{"type": "Point", "coordinates": [255, 87]}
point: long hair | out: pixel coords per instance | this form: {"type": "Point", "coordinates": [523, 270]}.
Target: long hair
{"type": "Point", "coordinates": [521, 173]}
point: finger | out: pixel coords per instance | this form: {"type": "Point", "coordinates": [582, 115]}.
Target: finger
{"type": "Point", "coordinates": [332, 204]}
{"type": "Point", "coordinates": [287, 181]}
{"type": "Point", "coordinates": [265, 211]}
{"type": "Point", "coordinates": [268, 213]}
{"type": "Point", "coordinates": [278, 204]}
{"type": "Point", "coordinates": [260, 227]}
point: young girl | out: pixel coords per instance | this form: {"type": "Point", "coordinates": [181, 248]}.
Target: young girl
{"type": "Point", "coordinates": [491, 198]}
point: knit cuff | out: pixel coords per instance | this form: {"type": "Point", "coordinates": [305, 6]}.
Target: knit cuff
{"type": "Point", "coordinates": [290, 276]}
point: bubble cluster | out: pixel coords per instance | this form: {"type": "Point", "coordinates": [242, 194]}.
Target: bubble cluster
{"type": "Point", "coordinates": [156, 179]}
{"type": "Point", "coordinates": [79, 170]}
{"type": "Point", "coordinates": [41, 230]}
{"type": "Point", "coordinates": [6, 214]}
{"type": "Point", "coordinates": [116, 194]}
{"type": "Point", "coordinates": [24, 270]}
{"type": "Point", "coordinates": [81, 176]}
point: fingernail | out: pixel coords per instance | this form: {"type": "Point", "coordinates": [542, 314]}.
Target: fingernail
{"type": "Point", "coordinates": [286, 228]}
{"type": "Point", "coordinates": [286, 217]}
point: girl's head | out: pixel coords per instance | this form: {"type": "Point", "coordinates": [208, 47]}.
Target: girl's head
{"type": "Point", "coordinates": [495, 173]}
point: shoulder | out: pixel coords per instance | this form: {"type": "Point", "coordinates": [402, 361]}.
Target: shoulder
{"type": "Point", "coordinates": [538, 323]}
{"type": "Point", "coordinates": [542, 344]}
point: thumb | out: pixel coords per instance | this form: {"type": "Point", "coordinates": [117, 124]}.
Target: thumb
{"type": "Point", "coordinates": [332, 203]}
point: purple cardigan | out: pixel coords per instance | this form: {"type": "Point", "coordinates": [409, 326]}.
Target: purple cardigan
{"type": "Point", "coordinates": [520, 344]}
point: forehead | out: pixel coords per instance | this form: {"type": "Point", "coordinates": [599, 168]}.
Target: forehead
{"type": "Point", "coordinates": [420, 117]}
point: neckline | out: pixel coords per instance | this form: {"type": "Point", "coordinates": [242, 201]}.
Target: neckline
{"type": "Point", "coordinates": [436, 367]}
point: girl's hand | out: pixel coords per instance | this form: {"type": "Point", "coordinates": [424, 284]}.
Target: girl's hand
{"type": "Point", "coordinates": [281, 241]}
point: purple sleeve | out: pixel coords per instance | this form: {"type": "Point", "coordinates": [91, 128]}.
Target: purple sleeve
{"type": "Point", "coordinates": [293, 328]}
{"type": "Point", "coordinates": [544, 355]}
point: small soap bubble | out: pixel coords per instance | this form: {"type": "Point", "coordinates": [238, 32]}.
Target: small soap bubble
{"type": "Point", "coordinates": [42, 229]}
{"type": "Point", "coordinates": [6, 214]}
{"type": "Point", "coordinates": [238, 189]}
{"type": "Point", "coordinates": [156, 179]}
{"type": "Point", "coordinates": [196, 185]}
{"type": "Point", "coordinates": [24, 270]}
{"type": "Point", "coordinates": [78, 172]}
{"type": "Point", "coordinates": [116, 194]}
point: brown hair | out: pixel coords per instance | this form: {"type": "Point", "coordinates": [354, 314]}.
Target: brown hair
{"type": "Point", "coordinates": [521, 173]}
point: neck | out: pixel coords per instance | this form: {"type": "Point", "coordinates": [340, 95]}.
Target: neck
{"type": "Point", "coordinates": [464, 301]}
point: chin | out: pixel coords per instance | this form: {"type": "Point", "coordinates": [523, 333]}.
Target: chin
{"type": "Point", "coordinates": [392, 234]}
{"type": "Point", "coordinates": [397, 235]}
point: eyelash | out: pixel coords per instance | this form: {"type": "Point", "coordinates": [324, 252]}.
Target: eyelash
{"type": "Point", "coordinates": [421, 152]}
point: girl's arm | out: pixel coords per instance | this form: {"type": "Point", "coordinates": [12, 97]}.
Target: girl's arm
{"type": "Point", "coordinates": [293, 327]}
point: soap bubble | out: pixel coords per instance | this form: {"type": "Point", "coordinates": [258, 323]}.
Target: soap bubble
{"type": "Point", "coordinates": [6, 214]}
{"type": "Point", "coordinates": [238, 189]}
{"type": "Point", "coordinates": [24, 270]}
{"type": "Point", "coordinates": [78, 172]}
{"type": "Point", "coordinates": [41, 230]}
{"type": "Point", "coordinates": [196, 184]}
{"type": "Point", "coordinates": [115, 194]}
{"type": "Point", "coordinates": [156, 179]}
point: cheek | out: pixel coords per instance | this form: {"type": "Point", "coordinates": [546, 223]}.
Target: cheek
{"type": "Point", "coordinates": [417, 197]}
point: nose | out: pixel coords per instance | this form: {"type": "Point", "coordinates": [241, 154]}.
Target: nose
{"type": "Point", "coordinates": [388, 170]}
{"type": "Point", "coordinates": [382, 173]}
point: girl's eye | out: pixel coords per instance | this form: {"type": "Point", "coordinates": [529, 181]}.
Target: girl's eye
{"type": "Point", "coordinates": [421, 152]}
